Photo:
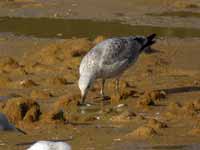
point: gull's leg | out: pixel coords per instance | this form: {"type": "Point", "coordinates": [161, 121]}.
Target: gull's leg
{"type": "Point", "coordinates": [82, 101]}
{"type": "Point", "coordinates": [117, 86]}
{"type": "Point", "coordinates": [102, 88]}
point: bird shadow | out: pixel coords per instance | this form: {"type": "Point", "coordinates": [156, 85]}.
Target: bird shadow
{"type": "Point", "coordinates": [182, 89]}
{"type": "Point", "coordinates": [78, 123]}
{"type": "Point", "coordinates": [152, 51]}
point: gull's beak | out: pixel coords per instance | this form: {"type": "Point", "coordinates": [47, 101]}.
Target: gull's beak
{"type": "Point", "coordinates": [82, 101]}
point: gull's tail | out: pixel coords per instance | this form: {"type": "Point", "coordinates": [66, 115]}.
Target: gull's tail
{"type": "Point", "coordinates": [150, 40]}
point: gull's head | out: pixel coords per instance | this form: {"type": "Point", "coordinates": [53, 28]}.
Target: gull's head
{"type": "Point", "coordinates": [84, 83]}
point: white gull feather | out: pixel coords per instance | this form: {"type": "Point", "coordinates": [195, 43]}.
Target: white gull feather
{"type": "Point", "coordinates": [49, 145]}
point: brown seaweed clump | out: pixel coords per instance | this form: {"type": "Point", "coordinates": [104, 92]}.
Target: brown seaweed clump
{"type": "Point", "coordinates": [58, 52]}
{"type": "Point", "coordinates": [184, 4]}
{"type": "Point", "coordinates": [56, 81]}
{"type": "Point", "coordinates": [155, 95]}
{"type": "Point", "coordinates": [188, 109]}
{"type": "Point", "coordinates": [194, 132]}
{"type": "Point", "coordinates": [115, 99]}
{"type": "Point", "coordinates": [40, 94]}
{"type": "Point", "coordinates": [172, 110]}
{"type": "Point", "coordinates": [4, 81]}
{"type": "Point", "coordinates": [142, 132]}
{"type": "Point", "coordinates": [35, 67]}
{"type": "Point", "coordinates": [80, 48]}
{"type": "Point", "coordinates": [78, 53]}
{"type": "Point", "coordinates": [8, 63]}
{"type": "Point", "coordinates": [128, 93]}
{"type": "Point", "coordinates": [54, 116]}
{"type": "Point", "coordinates": [197, 104]}
{"type": "Point", "coordinates": [21, 109]}
{"type": "Point", "coordinates": [26, 83]}
{"type": "Point", "coordinates": [151, 98]}
{"type": "Point", "coordinates": [76, 45]}
{"type": "Point", "coordinates": [155, 124]}
{"type": "Point", "coordinates": [66, 102]}
{"type": "Point", "coordinates": [191, 108]}
{"type": "Point", "coordinates": [62, 110]}
{"type": "Point", "coordinates": [98, 39]}
{"type": "Point", "coordinates": [33, 114]}
{"type": "Point", "coordinates": [2, 105]}
{"type": "Point", "coordinates": [145, 101]}
{"type": "Point", "coordinates": [124, 117]}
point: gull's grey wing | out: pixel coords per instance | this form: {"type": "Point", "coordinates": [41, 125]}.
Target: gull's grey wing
{"type": "Point", "coordinates": [120, 49]}
{"type": "Point", "coordinates": [118, 54]}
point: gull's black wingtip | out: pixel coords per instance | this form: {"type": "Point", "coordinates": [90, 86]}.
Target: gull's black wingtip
{"type": "Point", "coordinates": [150, 41]}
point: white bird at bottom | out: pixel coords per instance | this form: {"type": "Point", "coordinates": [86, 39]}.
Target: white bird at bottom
{"type": "Point", "coordinates": [49, 145]}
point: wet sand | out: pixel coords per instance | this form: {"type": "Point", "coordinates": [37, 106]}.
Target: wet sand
{"type": "Point", "coordinates": [126, 11]}
{"type": "Point", "coordinates": [159, 104]}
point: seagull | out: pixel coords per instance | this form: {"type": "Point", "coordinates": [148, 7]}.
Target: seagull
{"type": "Point", "coordinates": [109, 59]}
{"type": "Point", "coordinates": [5, 125]}
{"type": "Point", "coordinates": [49, 145]}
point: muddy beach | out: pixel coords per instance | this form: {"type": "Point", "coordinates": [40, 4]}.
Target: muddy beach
{"type": "Point", "coordinates": [41, 47]}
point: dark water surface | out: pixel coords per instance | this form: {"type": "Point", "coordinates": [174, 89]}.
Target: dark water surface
{"type": "Point", "coordinates": [185, 14]}
{"type": "Point", "coordinates": [62, 28]}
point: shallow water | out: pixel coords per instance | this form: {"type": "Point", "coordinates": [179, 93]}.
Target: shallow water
{"type": "Point", "coordinates": [177, 147]}
{"type": "Point", "coordinates": [61, 28]}
{"type": "Point", "coordinates": [178, 14]}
